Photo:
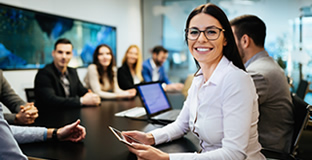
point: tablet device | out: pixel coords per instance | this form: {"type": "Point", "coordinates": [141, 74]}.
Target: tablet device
{"type": "Point", "coordinates": [121, 137]}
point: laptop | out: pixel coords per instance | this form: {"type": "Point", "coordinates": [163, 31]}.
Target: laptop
{"type": "Point", "coordinates": [156, 103]}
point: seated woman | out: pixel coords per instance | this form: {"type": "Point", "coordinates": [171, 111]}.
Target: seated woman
{"type": "Point", "coordinates": [129, 73]}
{"type": "Point", "coordinates": [101, 76]}
{"type": "Point", "coordinates": [221, 109]}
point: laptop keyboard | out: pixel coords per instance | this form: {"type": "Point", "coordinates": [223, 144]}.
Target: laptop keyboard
{"type": "Point", "coordinates": [170, 115]}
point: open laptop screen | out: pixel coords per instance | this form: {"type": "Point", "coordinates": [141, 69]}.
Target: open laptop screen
{"type": "Point", "coordinates": [153, 97]}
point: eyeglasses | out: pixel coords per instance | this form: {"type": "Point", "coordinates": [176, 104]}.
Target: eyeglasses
{"type": "Point", "coordinates": [211, 34]}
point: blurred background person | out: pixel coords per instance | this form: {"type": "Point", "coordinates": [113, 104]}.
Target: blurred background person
{"type": "Point", "coordinates": [153, 70]}
{"type": "Point", "coordinates": [276, 121]}
{"type": "Point", "coordinates": [58, 86]}
{"type": "Point", "coordinates": [101, 76]}
{"type": "Point", "coordinates": [130, 73]}
{"type": "Point", "coordinates": [21, 112]}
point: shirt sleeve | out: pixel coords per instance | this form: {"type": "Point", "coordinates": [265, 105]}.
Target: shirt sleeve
{"type": "Point", "coordinates": [10, 117]}
{"type": "Point", "coordinates": [9, 148]}
{"type": "Point", "coordinates": [165, 77]}
{"type": "Point", "coordinates": [174, 130]}
{"type": "Point", "coordinates": [28, 134]}
{"type": "Point", "coordinates": [147, 75]}
{"type": "Point", "coordinates": [10, 99]}
{"type": "Point", "coordinates": [116, 87]}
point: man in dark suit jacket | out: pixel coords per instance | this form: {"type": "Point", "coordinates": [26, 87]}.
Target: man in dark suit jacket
{"type": "Point", "coordinates": [153, 69]}
{"type": "Point", "coordinates": [58, 86]}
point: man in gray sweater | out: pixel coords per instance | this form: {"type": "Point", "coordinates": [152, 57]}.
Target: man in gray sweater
{"type": "Point", "coordinates": [21, 112]}
{"type": "Point", "coordinates": [275, 124]}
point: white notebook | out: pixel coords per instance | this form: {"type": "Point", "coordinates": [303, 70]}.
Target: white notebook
{"type": "Point", "coordinates": [132, 112]}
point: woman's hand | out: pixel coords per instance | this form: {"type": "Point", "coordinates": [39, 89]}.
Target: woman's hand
{"type": "Point", "coordinates": [145, 138]}
{"type": "Point", "coordinates": [146, 152]}
{"type": "Point", "coordinates": [130, 93]}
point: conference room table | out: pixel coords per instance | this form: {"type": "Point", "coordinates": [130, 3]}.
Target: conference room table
{"type": "Point", "coordinates": [100, 143]}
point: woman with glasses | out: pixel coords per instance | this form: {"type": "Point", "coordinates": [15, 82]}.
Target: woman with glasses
{"type": "Point", "coordinates": [130, 72]}
{"type": "Point", "coordinates": [101, 76]}
{"type": "Point", "coordinates": [221, 109]}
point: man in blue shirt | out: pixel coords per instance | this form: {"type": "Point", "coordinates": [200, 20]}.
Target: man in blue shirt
{"type": "Point", "coordinates": [153, 69]}
{"type": "Point", "coordinates": [10, 136]}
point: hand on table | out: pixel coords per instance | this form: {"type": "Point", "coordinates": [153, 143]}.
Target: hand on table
{"type": "Point", "coordinates": [72, 132]}
{"type": "Point", "coordinates": [174, 87]}
{"type": "Point", "coordinates": [91, 98]}
{"type": "Point", "coordinates": [27, 114]}
{"type": "Point", "coordinates": [130, 93]}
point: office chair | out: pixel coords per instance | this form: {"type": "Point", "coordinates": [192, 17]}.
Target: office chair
{"type": "Point", "coordinates": [30, 94]}
{"type": "Point", "coordinates": [301, 115]}
{"type": "Point", "coordinates": [290, 83]}
{"type": "Point", "coordinates": [303, 88]}
{"type": "Point", "coordinates": [187, 84]}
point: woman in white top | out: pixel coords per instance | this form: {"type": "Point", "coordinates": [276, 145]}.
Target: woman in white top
{"type": "Point", "coordinates": [101, 76]}
{"type": "Point", "coordinates": [130, 73]}
{"type": "Point", "coordinates": [221, 109]}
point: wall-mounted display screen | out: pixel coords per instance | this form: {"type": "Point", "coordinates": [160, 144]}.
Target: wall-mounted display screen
{"type": "Point", "coordinates": [27, 38]}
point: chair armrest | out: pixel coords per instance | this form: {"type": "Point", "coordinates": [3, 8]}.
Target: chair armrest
{"type": "Point", "coordinates": [273, 154]}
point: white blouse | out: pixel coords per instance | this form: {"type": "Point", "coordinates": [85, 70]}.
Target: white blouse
{"type": "Point", "coordinates": [136, 79]}
{"type": "Point", "coordinates": [227, 114]}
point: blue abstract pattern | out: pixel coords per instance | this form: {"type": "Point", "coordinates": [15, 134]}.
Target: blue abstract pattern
{"type": "Point", "coordinates": [27, 38]}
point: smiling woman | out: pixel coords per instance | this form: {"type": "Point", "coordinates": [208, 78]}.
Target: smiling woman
{"type": "Point", "coordinates": [221, 109]}
{"type": "Point", "coordinates": [129, 73]}
{"type": "Point", "coordinates": [207, 47]}
{"type": "Point", "coordinates": [101, 77]}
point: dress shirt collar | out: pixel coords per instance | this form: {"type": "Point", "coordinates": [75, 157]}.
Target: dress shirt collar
{"type": "Point", "coordinates": [155, 72]}
{"type": "Point", "coordinates": [59, 72]}
{"type": "Point", "coordinates": [217, 74]}
{"type": "Point", "coordinates": [153, 64]}
{"type": "Point", "coordinates": [260, 54]}
{"type": "Point", "coordinates": [66, 73]}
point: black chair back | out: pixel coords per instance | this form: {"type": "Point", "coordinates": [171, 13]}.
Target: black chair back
{"type": "Point", "coordinates": [301, 115]}
{"type": "Point", "coordinates": [302, 88]}
{"type": "Point", "coordinates": [30, 94]}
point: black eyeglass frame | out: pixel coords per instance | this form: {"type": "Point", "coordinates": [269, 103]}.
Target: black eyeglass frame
{"type": "Point", "coordinates": [187, 30]}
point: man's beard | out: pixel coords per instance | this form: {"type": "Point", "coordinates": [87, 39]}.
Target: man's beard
{"type": "Point", "coordinates": [158, 63]}
{"type": "Point", "coordinates": [241, 52]}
